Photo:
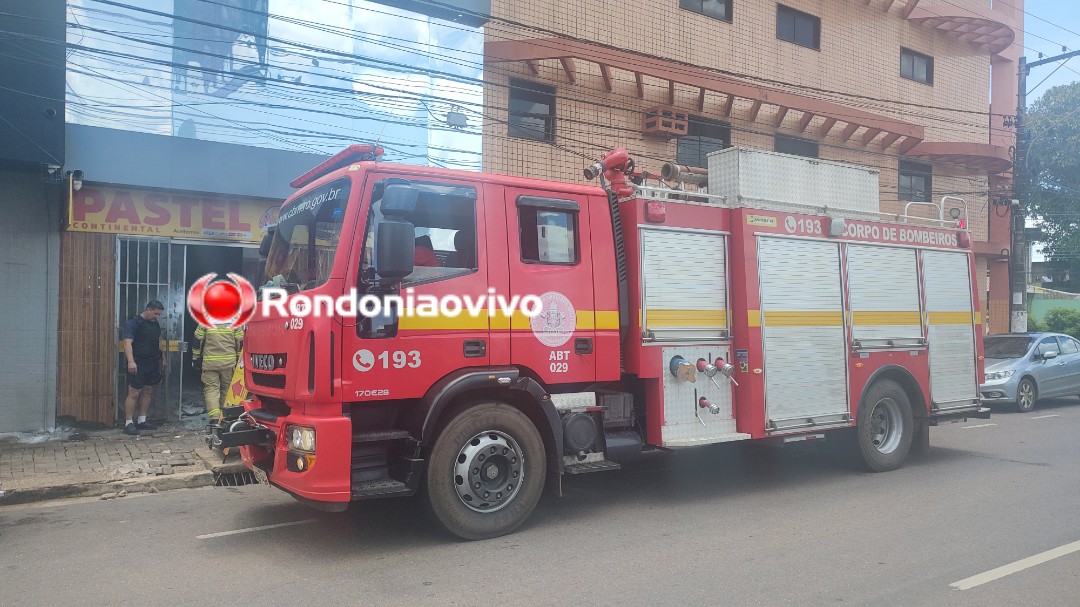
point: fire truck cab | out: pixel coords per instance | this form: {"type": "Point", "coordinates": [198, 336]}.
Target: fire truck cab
{"type": "Point", "coordinates": [778, 304]}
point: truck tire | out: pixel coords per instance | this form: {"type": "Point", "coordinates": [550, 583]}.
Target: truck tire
{"type": "Point", "coordinates": [884, 426]}
{"type": "Point", "coordinates": [486, 472]}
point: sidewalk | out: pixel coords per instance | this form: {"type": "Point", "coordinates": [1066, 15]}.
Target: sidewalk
{"type": "Point", "coordinates": [77, 463]}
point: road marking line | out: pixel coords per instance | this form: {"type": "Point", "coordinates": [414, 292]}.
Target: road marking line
{"type": "Point", "coordinates": [978, 426]}
{"type": "Point", "coordinates": [1018, 566]}
{"type": "Point", "coordinates": [250, 529]}
{"type": "Point", "coordinates": [1045, 416]}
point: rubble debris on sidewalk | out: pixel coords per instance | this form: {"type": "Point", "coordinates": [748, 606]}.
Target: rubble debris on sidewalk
{"type": "Point", "coordinates": [81, 462]}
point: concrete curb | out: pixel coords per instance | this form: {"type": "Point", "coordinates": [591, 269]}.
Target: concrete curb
{"type": "Point", "coordinates": [179, 480]}
{"type": "Point", "coordinates": [213, 462]}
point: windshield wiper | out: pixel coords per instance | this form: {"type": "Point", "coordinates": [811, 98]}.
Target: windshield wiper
{"type": "Point", "coordinates": [278, 283]}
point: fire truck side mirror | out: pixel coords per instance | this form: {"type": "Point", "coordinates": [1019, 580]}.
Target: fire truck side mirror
{"type": "Point", "coordinates": [394, 249]}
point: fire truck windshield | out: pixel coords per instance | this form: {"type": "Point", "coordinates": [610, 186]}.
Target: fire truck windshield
{"type": "Point", "coordinates": [307, 235]}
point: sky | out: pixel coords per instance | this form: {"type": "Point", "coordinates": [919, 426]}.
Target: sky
{"type": "Point", "coordinates": [1048, 38]}
{"type": "Point", "coordinates": [1039, 36]}
{"type": "Point", "coordinates": [332, 73]}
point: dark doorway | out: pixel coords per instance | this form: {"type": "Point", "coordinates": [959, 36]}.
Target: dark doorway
{"type": "Point", "coordinates": [202, 260]}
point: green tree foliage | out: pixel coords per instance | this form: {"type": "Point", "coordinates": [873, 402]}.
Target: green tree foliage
{"type": "Point", "coordinates": [1054, 170]}
{"type": "Point", "coordinates": [1062, 320]}
{"type": "Point", "coordinates": [1035, 325]}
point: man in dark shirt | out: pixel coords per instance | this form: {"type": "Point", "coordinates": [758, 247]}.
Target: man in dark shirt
{"type": "Point", "coordinates": [145, 364]}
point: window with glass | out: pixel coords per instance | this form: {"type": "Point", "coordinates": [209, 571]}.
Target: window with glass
{"type": "Point", "coordinates": [1046, 345]}
{"type": "Point", "coordinates": [717, 9]}
{"type": "Point", "coordinates": [1006, 346]}
{"type": "Point", "coordinates": [795, 145]}
{"type": "Point", "coordinates": [703, 137]}
{"type": "Point", "coordinates": [444, 228]}
{"type": "Point", "coordinates": [1067, 345]}
{"type": "Point", "coordinates": [916, 181]}
{"type": "Point", "coordinates": [306, 238]}
{"type": "Point", "coordinates": [548, 230]}
{"type": "Point", "coordinates": [916, 66]}
{"type": "Point", "coordinates": [795, 26]}
{"type": "Point", "coordinates": [531, 111]}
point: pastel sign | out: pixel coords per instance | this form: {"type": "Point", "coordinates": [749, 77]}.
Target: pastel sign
{"type": "Point", "coordinates": [171, 214]}
{"type": "Point", "coordinates": [556, 322]}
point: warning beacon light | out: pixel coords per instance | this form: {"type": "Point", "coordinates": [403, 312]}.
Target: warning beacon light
{"type": "Point", "coordinates": [352, 154]}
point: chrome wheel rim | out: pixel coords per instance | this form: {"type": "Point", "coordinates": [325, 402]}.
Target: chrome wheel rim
{"type": "Point", "coordinates": [1027, 395]}
{"type": "Point", "coordinates": [488, 471]}
{"type": "Point", "coordinates": [886, 426]}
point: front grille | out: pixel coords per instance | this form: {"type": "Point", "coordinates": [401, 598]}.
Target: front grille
{"type": "Point", "coordinates": [274, 405]}
{"type": "Point", "coordinates": [268, 381]}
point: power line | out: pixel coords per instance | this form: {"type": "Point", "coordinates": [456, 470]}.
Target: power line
{"type": "Point", "coordinates": [635, 109]}
{"type": "Point", "coordinates": [676, 64]}
{"type": "Point", "coordinates": [991, 127]}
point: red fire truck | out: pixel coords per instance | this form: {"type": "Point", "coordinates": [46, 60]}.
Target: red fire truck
{"type": "Point", "coordinates": [762, 308]}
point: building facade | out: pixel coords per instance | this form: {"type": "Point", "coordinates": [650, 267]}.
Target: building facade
{"type": "Point", "coordinates": [145, 143]}
{"type": "Point", "coordinates": [899, 86]}
{"type": "Point", "coordinates": [31, 184]}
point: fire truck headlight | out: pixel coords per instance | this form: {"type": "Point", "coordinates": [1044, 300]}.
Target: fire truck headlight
{"type": "Point", "coordinates": [302, 438]}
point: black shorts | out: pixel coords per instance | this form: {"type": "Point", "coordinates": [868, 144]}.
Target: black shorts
{"type": "Point", "coordinates": [149, 374]}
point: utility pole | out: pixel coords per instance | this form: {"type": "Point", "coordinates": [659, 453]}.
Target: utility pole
{"type": "Point", "coordinates": [1018, 278]}
{"type": "Point", "coordinates": [1020, 250]}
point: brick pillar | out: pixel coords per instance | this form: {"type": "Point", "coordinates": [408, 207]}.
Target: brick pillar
{"type": "Point", "coordinates": [997, 306]}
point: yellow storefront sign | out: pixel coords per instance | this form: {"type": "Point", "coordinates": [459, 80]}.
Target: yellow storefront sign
{"type": "Point", "coordinates": [169, 214]}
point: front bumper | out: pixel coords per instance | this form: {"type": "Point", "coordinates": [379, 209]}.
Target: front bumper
{"type": "Point", "coordinates": [1000, 391]}
{"type": "Point", "coordinates": [261, 437]}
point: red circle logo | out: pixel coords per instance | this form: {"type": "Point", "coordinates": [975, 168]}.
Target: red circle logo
{"type": "Point", "coordinates": [224, 301]}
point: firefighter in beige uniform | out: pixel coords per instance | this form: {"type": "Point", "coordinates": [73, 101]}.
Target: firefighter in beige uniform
{"type": "Point", "coordinates": [216, 351]}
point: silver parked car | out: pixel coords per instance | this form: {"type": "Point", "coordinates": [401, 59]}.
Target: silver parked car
{"type": "Point", "coordinates": [1021, 368]}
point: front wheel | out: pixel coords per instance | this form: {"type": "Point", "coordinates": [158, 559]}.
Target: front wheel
{"type": "Point", "coordinates": [486, 472]}
{"type": "Point", "coordinates": [1026, 394]}
{"type": "Point", "coordinates": [885, 426]}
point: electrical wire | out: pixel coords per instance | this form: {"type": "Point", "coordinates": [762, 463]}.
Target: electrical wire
{"type": "Point", "coordinates": [840, 147]}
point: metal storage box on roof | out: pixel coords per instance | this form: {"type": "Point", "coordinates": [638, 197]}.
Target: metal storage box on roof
{"type": "Point", "coordinates": [775, 181]}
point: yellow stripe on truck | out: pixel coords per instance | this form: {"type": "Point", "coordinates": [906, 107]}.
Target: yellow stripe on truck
{"type": "Point", "coordinates": [885, 318]}
{"type": "Point", "coordinates": [685, 318]}
{"type": "Point", "coordinates": [803, 318]}
{"type": "Point", "coordinates": [463, 322]}
{"type": "Point", "coordinates": [788, 318]}
{"type": "Point", "coordinates": [587, 320]}
{"type": "Point", "coordinates": [607, 320]}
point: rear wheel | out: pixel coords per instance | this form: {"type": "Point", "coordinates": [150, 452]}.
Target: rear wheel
{"type": "Point", "coordinates": [885, 426]}
{"type": "Point", "coordinates": [1026, 394]}
{"type": "Point", "coordinates": [486, 471]}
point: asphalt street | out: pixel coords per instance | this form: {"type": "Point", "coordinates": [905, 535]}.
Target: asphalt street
{"type": "Point", "coordinates": [721, 525]}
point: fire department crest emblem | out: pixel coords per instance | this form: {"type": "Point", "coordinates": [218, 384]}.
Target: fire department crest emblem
{"type": "Point", "coordinates": [555, 324]}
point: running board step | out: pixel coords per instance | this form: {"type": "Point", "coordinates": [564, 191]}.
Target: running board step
{"type": "Point", "coordinates": [379, 488]}
{"type": "Point", "coordinates": [591, 467]}
{"type": "Point", "coordinates": [380, 435]}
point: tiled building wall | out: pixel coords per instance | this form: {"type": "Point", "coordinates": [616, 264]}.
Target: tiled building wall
{"type": "Point", "coordinates": [859, 55]}
{"type": "Point", "coordinates": [29, 248]}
